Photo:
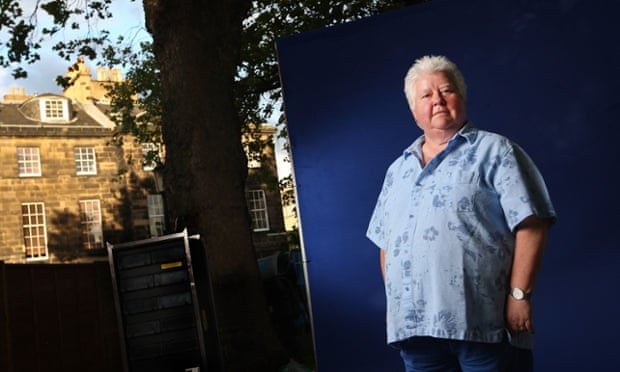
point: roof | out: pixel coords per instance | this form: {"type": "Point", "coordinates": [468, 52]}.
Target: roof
{"type": "Point", "coordinates": [25, 118]}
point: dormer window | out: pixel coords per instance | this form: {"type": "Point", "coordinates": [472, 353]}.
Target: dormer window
{"type": "Point", "coordinates": [54, 109]}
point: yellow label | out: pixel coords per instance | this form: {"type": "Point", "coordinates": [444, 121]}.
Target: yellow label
{"type": "Point", "coordinates": [171, 265]}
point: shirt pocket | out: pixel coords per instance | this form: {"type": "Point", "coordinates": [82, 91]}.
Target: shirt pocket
{"type": "Point", "coordinates": [466, 189]}
{"type": "Point", "coordinates": [468, 178]}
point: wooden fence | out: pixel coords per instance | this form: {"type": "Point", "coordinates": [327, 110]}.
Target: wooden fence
{"type": "Point", "coordinates": [56, 317]}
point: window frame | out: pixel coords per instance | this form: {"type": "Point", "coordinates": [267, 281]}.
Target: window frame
{"type": "Point", "coordinates": [254, 161]}
{"type": "Point", "coordinates": [25, 162]}
{"type": "Point", "coordinates": [51, 114]}
{"type": "Point", "coordinates": [157, 214]}
{"type": "Point", "coordinates": [81, 158]}
{"type": "Point", "coordinates": [34, 229]}
{"type": "Point", "coordinates": [258, 213]}
{"type": "Point", "coordinates": [91, 228]}
{"type": "Point", "coordinates": [150, 147]}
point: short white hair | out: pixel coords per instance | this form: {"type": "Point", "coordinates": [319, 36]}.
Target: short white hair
{"type": "Point", "coordinates": [431, 64]}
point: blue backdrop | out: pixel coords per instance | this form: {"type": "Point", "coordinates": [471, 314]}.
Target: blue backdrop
{"type": "Point", "coordinates": [543, 73]}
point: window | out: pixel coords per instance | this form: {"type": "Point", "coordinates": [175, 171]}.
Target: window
{"type": "Point", "coordinates": [85, 161]}
{"type": "Point", "coordinates": [90, 218]}
{"type": "Point", "coordinates": [151, 155]}
{"type": "Point", "coordinates": [28, 162]}
{"type": "Point", "coordinates": [156, 214]}
{"type": "Point", "coordinates": [257, 205]}
{"type": "Point", "coordinates": [254, 158]}
{"type": "Point", "coordinates": [35, 235]}
{"type": "Point", "coordinates": [54, 109]}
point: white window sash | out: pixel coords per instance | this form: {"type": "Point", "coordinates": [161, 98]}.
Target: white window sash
{"type": "Point", "coordinates": [60, 113]}
{"type": "Point", "coordinates": [258, 210]}
{"type": "Point", "coordinates": [155, 204]}
{"type": "Point", "coordinates": [90, 219]}
{"type": "Point", "coordinates": [28, 162]}
{"type": "Point", "coordinates": [85, 161]}
{"type": "Point", "coordinates": [34, 228]}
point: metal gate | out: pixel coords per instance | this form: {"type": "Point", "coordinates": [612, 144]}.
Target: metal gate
{"type": "Point", "coordinates": [162, 322]}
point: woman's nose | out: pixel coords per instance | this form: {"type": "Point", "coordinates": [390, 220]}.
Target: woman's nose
{"type": "Point", "coordinates": [438, 99]}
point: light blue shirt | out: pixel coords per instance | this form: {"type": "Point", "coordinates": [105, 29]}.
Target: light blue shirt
{"type": "Point", "coordinates": [448, 234]}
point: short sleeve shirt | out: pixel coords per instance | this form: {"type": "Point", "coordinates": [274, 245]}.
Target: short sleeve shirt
{"type": "Point", "coordinates": [448, 234]}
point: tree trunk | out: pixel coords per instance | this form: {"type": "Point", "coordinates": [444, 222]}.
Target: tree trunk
{"type": "Point", "coordinates": [196, 44]}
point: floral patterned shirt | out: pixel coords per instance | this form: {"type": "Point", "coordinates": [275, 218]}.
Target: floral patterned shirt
{"type": "Point", "coordinates": [448, 234]}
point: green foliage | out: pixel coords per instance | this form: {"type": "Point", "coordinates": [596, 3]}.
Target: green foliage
{"type": "Point", "coordinates": [21, 35]}
{"type": "Point", "coordinates": [286, 190]}
{"type": "Point", "coordinates": [59, 12]}
{"type": "Point", "coordinates": [19, 46]}
{"type": "Point", "coordinates": [135, 102]}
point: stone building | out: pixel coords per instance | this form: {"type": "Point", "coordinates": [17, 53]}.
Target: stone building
{"type": "Point", "coordinates": [66, 188]}
{"type": "Point", "coordinates": [263, 193]}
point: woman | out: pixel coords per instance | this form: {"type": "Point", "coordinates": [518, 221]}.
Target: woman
{"type": "Point", "coordinates": [462, 222]}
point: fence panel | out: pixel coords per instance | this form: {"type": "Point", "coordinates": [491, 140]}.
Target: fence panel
{"type": "Point", "coordinates": [58, 317]}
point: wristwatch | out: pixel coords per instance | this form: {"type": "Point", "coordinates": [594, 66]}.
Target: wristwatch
{"type": "Point", "coordinates": [520, 294]}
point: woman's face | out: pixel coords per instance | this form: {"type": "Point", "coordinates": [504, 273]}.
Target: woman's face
{"type": "Point", "coordinates": [438, 105]}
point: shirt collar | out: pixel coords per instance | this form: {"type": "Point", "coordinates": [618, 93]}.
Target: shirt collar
{"type": "Point", "coordinates": [468, 132]}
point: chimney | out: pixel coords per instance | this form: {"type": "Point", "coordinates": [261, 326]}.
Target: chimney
{"type": "Point", "coordinates": [102, 74]}
{"type": "Point", "coordinates": [115, 74]}
{"type": "Point", "coordinates": [16, 95]}
{"type": "Point", "coordinates": [80, 81]}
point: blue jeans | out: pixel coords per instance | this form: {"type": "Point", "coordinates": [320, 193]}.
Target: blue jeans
{"type": "Point", "coordinates": [429, 354]}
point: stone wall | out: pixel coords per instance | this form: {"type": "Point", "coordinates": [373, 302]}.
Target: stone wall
{"type": "Point", "coordinates": [120, 185]}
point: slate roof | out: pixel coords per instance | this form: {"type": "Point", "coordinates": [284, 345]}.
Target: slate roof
{"type": "Point", "coordinates": [84, 119]}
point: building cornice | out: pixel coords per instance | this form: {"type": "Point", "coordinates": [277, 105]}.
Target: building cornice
{"type": "Point", "coordinates": [46, 130]}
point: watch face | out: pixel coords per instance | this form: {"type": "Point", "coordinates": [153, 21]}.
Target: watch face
{"type": "Point", "coordinates": [518, 294]}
